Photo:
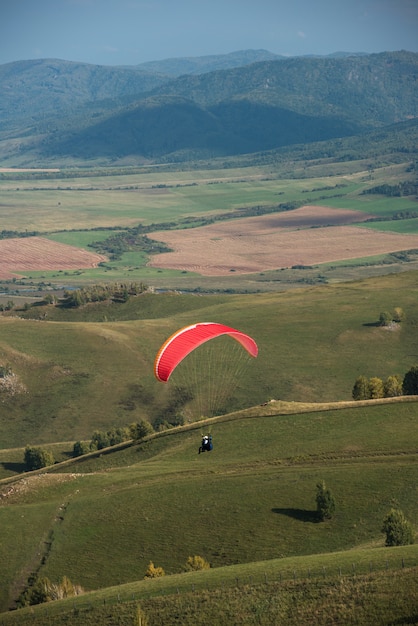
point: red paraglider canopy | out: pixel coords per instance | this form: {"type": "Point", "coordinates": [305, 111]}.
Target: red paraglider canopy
{"type": "Point", "coordinates": [182, 342]}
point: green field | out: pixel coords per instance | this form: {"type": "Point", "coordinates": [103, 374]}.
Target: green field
{"type": "Point", "coordinates": [250, 502]}
{"type": "Point", "coordinates": [91, 367]}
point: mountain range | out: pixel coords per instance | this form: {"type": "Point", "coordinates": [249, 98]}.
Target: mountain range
{"type": "Point", "coordinates": [55, 111]}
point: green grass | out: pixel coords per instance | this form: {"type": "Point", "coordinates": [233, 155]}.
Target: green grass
{"type": "Point", "coordinates": [254, 596]}
{"type": "Point", "coordinates": [250, 503]}
{"type": "Point", "coordinates": [407, 226]}
{"type": "Point", "coordinates": [89, 369]}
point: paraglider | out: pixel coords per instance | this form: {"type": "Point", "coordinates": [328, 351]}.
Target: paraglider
{"type": "Point", "coordinates": [182, 342]}
{"type": "Point", "coordinates": [207, 445]}
{"type": "Point", "coordinates": [204, 363]}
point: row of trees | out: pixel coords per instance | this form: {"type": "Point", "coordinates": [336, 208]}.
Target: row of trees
{"type": "Point", "coordinates": [119, 292]}
{"type": "Point", "coordinates": [404, 188]}
{"type": "Point", "coordinates": [113, 436]}
{"type": "Point", "coordinates": [36, 458]}
{"type": "Point", "coordinates": [373, 388]}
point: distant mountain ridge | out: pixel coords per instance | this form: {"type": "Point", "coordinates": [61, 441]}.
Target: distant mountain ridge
{"type": "Point", "coordinates": [202, 65]}
{"type": "Point", "coordinates": [55, 110]}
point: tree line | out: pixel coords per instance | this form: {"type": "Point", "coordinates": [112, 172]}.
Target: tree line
{"type": "Point", "coordinates": [395, 385]}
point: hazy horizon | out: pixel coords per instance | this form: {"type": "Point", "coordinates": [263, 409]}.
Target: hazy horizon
{"type": "Point", "coordinates": [130, 32]}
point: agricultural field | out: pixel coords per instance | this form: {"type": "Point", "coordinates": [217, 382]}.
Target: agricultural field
{"type": "Point", "coordinates": [306, 236]}
{"type": "Point", "coordinates": [178, 206]}
{"type": "Point", "coordinates": [37, 253]}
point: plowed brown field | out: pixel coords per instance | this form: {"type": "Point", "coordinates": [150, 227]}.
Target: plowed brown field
{"type": "Point", "coordinates": [305, 236]}
{"type": "Point", "coordinates": [19, 256]}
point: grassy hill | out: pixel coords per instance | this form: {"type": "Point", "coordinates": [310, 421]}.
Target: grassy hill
{"type": "Point", "coordinates": [249, 504]}
{"type": "Point", "coordinates": [248, 507]}
{"type": "Point", "coordinates": [82, 370]}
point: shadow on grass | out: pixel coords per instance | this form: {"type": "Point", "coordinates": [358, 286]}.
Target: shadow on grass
{"type": "Point", "coordinates": [17, 468]}
{"type": "Point", "coordinates": [300, 514]}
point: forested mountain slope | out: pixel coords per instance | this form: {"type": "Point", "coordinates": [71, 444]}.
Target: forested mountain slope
{"type": "Point", "coordinates": [56, 110]}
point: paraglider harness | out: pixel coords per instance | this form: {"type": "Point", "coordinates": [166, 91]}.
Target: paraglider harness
{"type": "Point", "coordinates": [207, 445]}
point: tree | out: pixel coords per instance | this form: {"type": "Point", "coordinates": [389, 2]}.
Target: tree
{"type": "Point", "coordinates": [141, 429]}
{"type": "Point", "coordinates": [361, 389]}
{"type": "Point", "coordinates": [398, 315]}
{"type": "Point", "coordinates": [410, 382]}
{"type": "Point", "coordinates": [385, 318]}
{"type": "Point", "coordinates": [154, 572]}
{"type": "Point", "coordinates": [376, 389]}
{"type": "Point", "coordinates": [325, 503]}
{"type": "Point", "coordinates": [397, 528]}
{"type": "Point", "coordinates": [36, 458]}
{"type": "Point", "coordinates": [196, 563]}
{"type": "Point", "coordinates": [80, 448]}
{"type": "Point", "coordinates": [392, 386]}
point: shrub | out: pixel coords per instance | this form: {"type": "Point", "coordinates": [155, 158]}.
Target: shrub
{"type": "Point", "coordinates": [393, 386]}
{"type": "Point", "coordinates": [43, 590]}
{"type": "Point", "coordinates": [36, 458]}
{"type": "Point", "coordinates": [196, 563]}
{"type": "Point", "coordinates": [397, 528]}
{"type": "Point", "coordinates": [154, 572]}
{"type": "Point", "coordinates": [385, 318]}
{"type": "Point", "coordinates": [398, 315]}
{"type": "Point", "coordinates": [361, 389]}
{"type": "Point", "coordinates": [140, 429]}
{"type": "Point", "coordinates": [376, 389]}
{"type": "Point", "coordinates": [410, 382]}
{"type": "Point", "coordinates": [325, 503]}
{"type": "Point", "coordinates": [80, 448]}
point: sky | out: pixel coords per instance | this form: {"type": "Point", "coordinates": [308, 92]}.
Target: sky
{"type": "Point", "coordinates": [130, 32]}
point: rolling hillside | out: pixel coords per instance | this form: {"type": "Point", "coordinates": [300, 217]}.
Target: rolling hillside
{"type": "Point", "coordinates": [250, 503]}
{"type": "Point", "coordinates": [89, 370]}
{"type": "Point", "coordinates": [247, 507]}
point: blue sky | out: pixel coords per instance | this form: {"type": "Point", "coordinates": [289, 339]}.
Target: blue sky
{"type": "Point", "coordinates": [127, 32]}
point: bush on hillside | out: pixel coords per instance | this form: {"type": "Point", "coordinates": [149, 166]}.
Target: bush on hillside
{"type": "Point", "coordinates": [154, 572]}
{"type": "Point", "coordinates": [393, 386]}
{"type": "Point", "coordinates": [37, 458]}
{"type": "Point", "coordinates": [361, 389]}
{"type": "Point", "coordinates": [196, 563]}
{"type": "Point", "coordinates": [80, 448]}
{"type": "Point", "coordinates": [410, 382]}
{"type": "Point", "coordinates": [111, 437]}
{"type": "Point", "coordinates": [325, 503]}
{"type": "Point", "coordinates": [376, 388]}
{"type": "Point", "coordinates": [385, 318]}
{"type": "Point", "coordinates": [139, 430]}
{"type": "Point", "coordinates": [397, 528]}
{"type": "Point", "coordinates": [43, 590]}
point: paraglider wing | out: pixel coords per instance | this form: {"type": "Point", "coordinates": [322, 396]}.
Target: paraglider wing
{"type": "Point", "coordinates": [185, 340]}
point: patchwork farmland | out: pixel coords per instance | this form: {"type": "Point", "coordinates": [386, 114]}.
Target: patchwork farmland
{"type": "Point", "coordinates": [306, 236]}
{"type": "Point", "coordinates": [37, 253]}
